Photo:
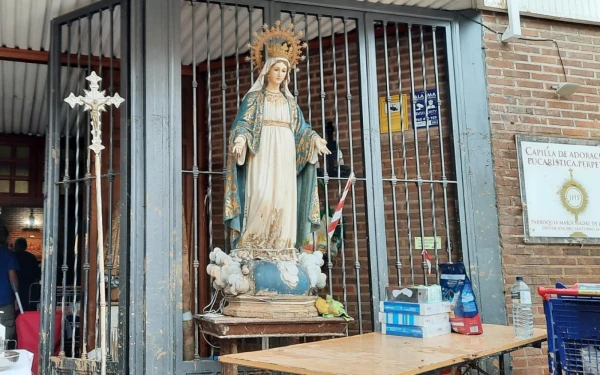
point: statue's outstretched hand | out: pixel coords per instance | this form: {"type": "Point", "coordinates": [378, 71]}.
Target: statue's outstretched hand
{"type": "Point", "coordinates": [238, 145]}
{"type": "Point", "coordinates": [321, 146]}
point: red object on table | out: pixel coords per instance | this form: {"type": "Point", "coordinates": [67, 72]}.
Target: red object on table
{"type": "Point", "coordinates": [28, 334]}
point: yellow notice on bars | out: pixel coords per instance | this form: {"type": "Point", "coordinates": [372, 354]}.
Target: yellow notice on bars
{"type": "Point", "coordinates": [430, 243]}
{"type": "Point", "coordinates": [395, 108]}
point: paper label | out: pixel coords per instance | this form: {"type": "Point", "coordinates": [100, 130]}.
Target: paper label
{"type": "Point", "coordinates": [526, 297]}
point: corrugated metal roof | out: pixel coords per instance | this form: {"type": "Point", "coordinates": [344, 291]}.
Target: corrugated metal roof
{"type": "Point", "coordinates": [23, 96]}
{"type": "Point", "coordinates": [25, 24]}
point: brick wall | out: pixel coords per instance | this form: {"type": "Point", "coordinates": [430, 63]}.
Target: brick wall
{"type": "Point", "coordinates": [522, 102]}
{"type": "Point", "coordinates": [15, 219]}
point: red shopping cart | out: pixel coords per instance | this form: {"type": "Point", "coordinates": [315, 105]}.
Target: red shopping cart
{"type": "Point", "coordinates": [573, 320]}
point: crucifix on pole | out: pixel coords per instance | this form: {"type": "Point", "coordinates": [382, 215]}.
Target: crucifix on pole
{"type": "Point", "coordinates": [95, 102]}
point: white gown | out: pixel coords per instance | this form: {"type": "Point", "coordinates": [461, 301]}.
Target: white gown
{"type": "Point", "coordinates": [270, 217]}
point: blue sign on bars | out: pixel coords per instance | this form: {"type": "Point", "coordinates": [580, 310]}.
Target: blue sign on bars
{"type": "Point", "coordinates": [425, 109]}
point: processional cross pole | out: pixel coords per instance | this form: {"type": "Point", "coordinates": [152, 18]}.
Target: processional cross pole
{"type": "Point", "coordinates": [95, 102]}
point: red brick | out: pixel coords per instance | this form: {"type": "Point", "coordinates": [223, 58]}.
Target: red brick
{"type": "Point", "coordinates": [575, 117]}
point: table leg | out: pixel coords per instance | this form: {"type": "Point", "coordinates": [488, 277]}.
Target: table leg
{"type": "Point", "coordinates": [228, 346]}
{"type": "Point", "coordinates": [502, 371]}
{"type": "Point", "coordinates": [265, 343]}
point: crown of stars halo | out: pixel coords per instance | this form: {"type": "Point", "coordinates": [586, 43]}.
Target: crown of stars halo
{"type": "Point", "coordinates": [279, 41]}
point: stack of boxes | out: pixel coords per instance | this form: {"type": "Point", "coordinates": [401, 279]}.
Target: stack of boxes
{"type": "Point", "coordinates": [416, 311]}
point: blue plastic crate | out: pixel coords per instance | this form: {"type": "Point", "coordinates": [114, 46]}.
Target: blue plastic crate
{"type": "Point", "coordinates": [573, 335]}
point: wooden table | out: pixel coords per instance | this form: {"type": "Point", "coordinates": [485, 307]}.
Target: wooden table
{"type": "Point", "coordinates": [375, 353]}
{"type": "Point", "coordinates": [229, 329]}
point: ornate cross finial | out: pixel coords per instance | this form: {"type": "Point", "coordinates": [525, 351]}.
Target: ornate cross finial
{"type": "Point", "coordinates": [95, 102]}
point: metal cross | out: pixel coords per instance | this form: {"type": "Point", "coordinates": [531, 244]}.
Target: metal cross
{"type": "Point", "coordinates": [95, 102]}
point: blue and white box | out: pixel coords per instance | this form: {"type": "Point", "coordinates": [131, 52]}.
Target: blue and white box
{"type": "Point", "coordinates": [415, 331]}
{"type": "Point", "coordinates": [413, 320]}
{"type": "Point", "coordinates": [414, 308]}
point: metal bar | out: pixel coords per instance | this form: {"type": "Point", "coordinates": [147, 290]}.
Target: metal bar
{"type": "Point", "coordinates": [209, 126]}
{"type": "Point", "coordinates": [295, 71]}
{"type": "Point", "coordinates": [337, 158]}
{"type": "Point", "coordinates": [431, 189]}
{"type": "Point", "coordinates": [442, 157]}
{"type": "Point", "coordinates": [50, 204]}
{"type": "Point", "coordinates": [237, 61]}
{"type": "Point", "coordinates": [84, 179]}
{"type": "Point", "coordinates": [209, 140]}
{"type": "Point", "coordinates": [111, 183]}
{"type": "Point", "coordinates": [85, 11]}
{"type": "Point", "coordinates": [325, 174]}
{"type": "Point", "coordinates": [388, 100]}
{"type": "Point", "coordinates": [97, 178]}
{"type": "Point", "coordinates": [215, 173]}
{"type": "Point", "coordinates": [77, 162]}
{"type": "Point", "coordinates": [404, 163]}
{"type": "Point", "coordinates": [56, 176]}
{"type": "Point", "coordinates": [132, 329]}
{"type": "Point", "coordinates": [353, 188]}
{"type": "Point", "coordinates": [415, 181]}
{"type": "Point", "coordinates": [196, 264]}
{"type": "Point", "coordinates": [223, 99]}
{"type": "Point", "coordinates": [65, 266]}
{"type": "Point", "coordinates": [378, 259]}
{"type": "Point", "coordinates": [307, 54]}
{"type": "Point", "coordinates": [88, 188]}
{"type": "Point", "coordinates": [250, 11]}
{"type": "Point", "coordinates": [125, 191]}
{"type": "Point", "coordinates": [417, 160]}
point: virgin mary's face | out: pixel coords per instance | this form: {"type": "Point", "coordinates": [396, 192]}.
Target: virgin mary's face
{"type": "Point", "coordinates": [277, 73]}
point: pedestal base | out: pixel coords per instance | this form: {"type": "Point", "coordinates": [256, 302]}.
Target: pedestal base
{"type": "Point", "coordinates": [279, 307]}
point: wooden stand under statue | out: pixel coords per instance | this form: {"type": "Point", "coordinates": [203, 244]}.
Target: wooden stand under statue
{"type": "Point", "coordinates": [271, 195]}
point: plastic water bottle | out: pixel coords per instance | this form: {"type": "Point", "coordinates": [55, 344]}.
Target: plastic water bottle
{"type": "Point", "coordinates": [521, 309]}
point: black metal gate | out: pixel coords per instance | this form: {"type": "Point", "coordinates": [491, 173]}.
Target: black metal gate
{"type": "Point", "coordinates": [91, 39]}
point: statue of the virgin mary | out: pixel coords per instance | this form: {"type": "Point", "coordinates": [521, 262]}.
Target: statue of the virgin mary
{"type": "Point", "coordinates": [271, 199]}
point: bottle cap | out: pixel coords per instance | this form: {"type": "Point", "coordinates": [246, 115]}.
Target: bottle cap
{"type": "Point", "coordinates": [519, 278]}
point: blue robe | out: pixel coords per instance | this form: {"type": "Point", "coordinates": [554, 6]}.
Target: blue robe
{"type": "Point", "coordinates": [249, 123]}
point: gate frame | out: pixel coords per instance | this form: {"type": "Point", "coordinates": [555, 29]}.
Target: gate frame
{"type": "Point", "coordinates": [49, 302]}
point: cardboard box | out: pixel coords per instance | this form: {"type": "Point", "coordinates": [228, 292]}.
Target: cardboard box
{"type": "Point", "coordinates": [415, 331]}
{"type": "Point", "coordinates": [414, 320]}
{"type": "Point", "coordinates": [414, 308]}
{"type": "Point", "coordinates": [415, 294]}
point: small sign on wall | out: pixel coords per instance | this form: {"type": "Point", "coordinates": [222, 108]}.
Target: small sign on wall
{"type": "Point", "coordinates": [425, 108]}
{"type": "Point", "coordinates": [395, 108]}
{"type": "Point", "coordinates": [429, 242]}
{"type": "Point", "coordinates": [559, 180]}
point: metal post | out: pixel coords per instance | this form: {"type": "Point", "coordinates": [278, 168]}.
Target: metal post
{"type": "Point", "coordinates": [163, 187]}
{"type": "Point", "coordinates": [325, 174]}
{"type": "Point", "coordinates": [431, 192]}
{"type": "Point", "coordinates": [417, 160]}
{"type": "Point", "coordinates": [393, 179]}
{"type": "Point", "coordinates": [404, 163]}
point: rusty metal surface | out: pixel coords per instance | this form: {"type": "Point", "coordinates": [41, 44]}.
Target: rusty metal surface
{"type": "Point", "coordinates": [60, 365]}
